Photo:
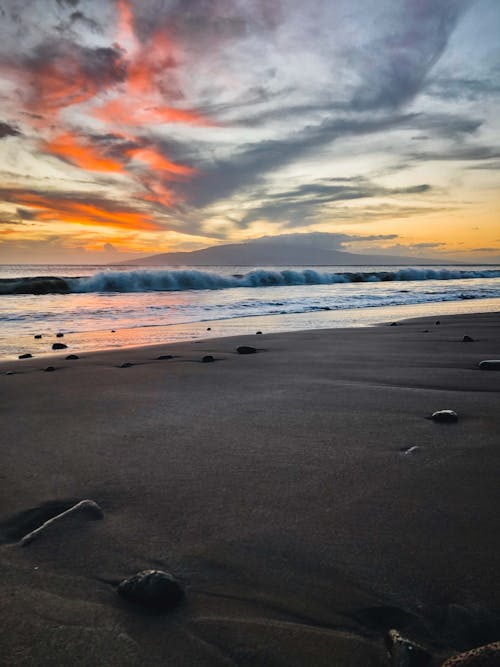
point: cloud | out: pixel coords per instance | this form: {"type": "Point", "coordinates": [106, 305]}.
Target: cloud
{"type": "Point", "coordinates": [79, 208]}
{"type": "Point", "coordinates": [297, 206]}
{"type": "Point", "coordinates": [7, 130]}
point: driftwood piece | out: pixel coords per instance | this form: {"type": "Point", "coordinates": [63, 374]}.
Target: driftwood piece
{"type": "Point", "coordinates": [83, 506]}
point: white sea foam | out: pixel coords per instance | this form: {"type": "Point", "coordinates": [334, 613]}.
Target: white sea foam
{"type": "Point", "coordinates": [193, 279]}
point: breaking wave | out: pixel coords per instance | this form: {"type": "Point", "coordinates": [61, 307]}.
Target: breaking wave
{"type": "Point", "coordinates": [192, 279]}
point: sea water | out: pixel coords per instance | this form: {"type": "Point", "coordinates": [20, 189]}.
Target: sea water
{"type": "Point", "coordinates": [100, 307]}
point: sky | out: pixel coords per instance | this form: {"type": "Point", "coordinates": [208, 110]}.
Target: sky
{"type": "Point", "coordinates": [132, 127]}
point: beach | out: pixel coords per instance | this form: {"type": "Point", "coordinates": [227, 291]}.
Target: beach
{"type": "Point", "coordinates": [280, 488]}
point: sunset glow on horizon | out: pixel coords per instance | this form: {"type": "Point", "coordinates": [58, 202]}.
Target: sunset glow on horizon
{"type": "Point", "coordinates": [130, 128]}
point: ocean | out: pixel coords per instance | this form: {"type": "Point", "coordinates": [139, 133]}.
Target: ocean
{"type": "Point", "coordinates": [100, 307]}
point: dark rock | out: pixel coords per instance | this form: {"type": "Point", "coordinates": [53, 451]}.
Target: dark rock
{"type": "Point", "coordinates": [164, 356]}
{"type": "Point", "coordinates": [490, 365]}
{"type": "Point", "coordinates": [59, 335]}
{"type": "Point", "coordinates": [37, 336]}
{"type": "Point", "coordinates": [405, 653]}
{"type": "Point", "coordinates": [467, 339]}
{"type": "Point", "coordinates": [207, 359]}
{"type": "Point", "coordinates": [438, 322]}
{"type": "Point", "coordinates": [25, 356]}
{"type": "Point", "coordinates": [72, 356]}
{"type": "Point", "coordinates": [126, 364]}
{"type": "Point", "coordinates": [209, 328]}
{"type": "Point", "coordinates": [246, 349]}
{"type": "Point", "coordinates": [444, 416]}
{"type": "Point", "coordinates": [258, 333]}
{"type": "Point", "coordinates": [59, 346]}
{"type": "Point", "coordinates": [154, 589]}
{"type": "Point", "coordinates": [482, 656]}
{"type": "Point", "coordinates": [113, 330]}
{"type": "Point", "coordinates": [425, 331]}
{"type": "Point", "coordinates": [10, 373]}
{"type": "Point", "coordinates": [49, 369]}
{"type": "Point", "coordinates": [393, 324]}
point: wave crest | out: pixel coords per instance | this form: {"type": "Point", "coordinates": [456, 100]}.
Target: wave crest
{"type": "Point", "coordinates": [193, 279]}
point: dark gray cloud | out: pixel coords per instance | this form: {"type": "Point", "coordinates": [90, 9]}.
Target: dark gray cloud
{"type": "Point", "coordinates": [401, 59]}
{"type": "Point", "coordinates": [475, 153]}
{"type": "Point", "coordinates": [7, 130]}
{"type": "Point", "coordinates": [459, 88]}
{"type": "Point", "coordinates": [307, 202]}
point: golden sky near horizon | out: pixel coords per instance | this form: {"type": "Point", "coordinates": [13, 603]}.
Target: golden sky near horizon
{"type": "Point", "coordinates": [129, 128]}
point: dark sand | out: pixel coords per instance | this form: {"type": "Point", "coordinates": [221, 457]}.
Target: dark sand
{"type": "Point", "coordinates": [272, 485]}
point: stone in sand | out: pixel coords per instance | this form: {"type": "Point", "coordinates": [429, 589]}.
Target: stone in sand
{"type": "Point", "coordinates": [258, 333]}
{"type": "Point", "coordinates": [49, 369]}
{"type": "Point", "coordinates": [393, 324]}
{"type": "Point", "coordinates": [425, 331]}
{"type": "Point", "coordinates": [488, 365]}
{"type": "Point", "coordinates": [59, 346]}
{"type": "Point", "coordinates": [467, 339]}
{"type": "Point", "coordinates": [59, 335]}
{"type": "Point", "coordinates": [444, 416]}
{"type": "Point", "coordinates": [438, 322]}
{"type": "Point", "coordinates": [207, 359]}
{"type": "Point", "coordinates": [126, 364]}
{"type": "Point", "coordinates": [209, 328]}
{"type": "Point", "coordinates": [37, 336]}
{"type": "Point", "coordinates": [405, 653]}
{"type": "Point", "coordinates": [154, 589]}
{"type": "Point", "coordinates": [483, 656]}
{"type": "Point", "coordinates": [164, 356]}
{"type": "Point", "coordinates": [26, 356]}
{"type": "Point", "coordinates": [72, 356]}
{"type": "Point", "coordinates": [10, 373]}
{"type": "Point", "coordinates": [246, 349]}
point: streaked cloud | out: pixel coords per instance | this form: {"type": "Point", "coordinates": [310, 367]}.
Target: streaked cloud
{"type": "Point", "coordinates": [213, 120]}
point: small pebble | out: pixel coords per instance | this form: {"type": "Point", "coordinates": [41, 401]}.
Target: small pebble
{"type": "Point", "coordinates": [393, 324]}
{"type": "Point", "coordinates": [209, 328]}
{"type": "Point", "coordinates": [425, 331]}
{"type": "Point", "coordinates": [72, 356]}
{"type": "Point", "coordinates": [490, 365]}
{"type": "Point", "coordinates": [10, 373]}
{"type": "Point", "coordinates": [113, 330]}
{"type": "Point", "coordinates": [467, 339]}
{"type": "Point", "coordinates": [37, 336]}
{"type": "Point", "coordinates": [59, 346]}
{"type": "Point", "coordinates": [246, 349]}
{"type": "Point", "coordinates": [126, 364]}
{"type": "Point", "coordinates": [207, 359]}
{"type": "Point", "coordinates": [444, 416]}
{"type": "Point", "coordinates": [155, 589]}
{"type": "Point", "coordinates": [409, 450]}
{"type": "Point", "coordinates": [59, 335]}
{"type": "Point", "coordinates": [257, 333]}
{"type": "Point", "coordinates": [438, 322]}
{"type": "Point", "coordinates": [49, 369]}
{"type": "Point", "coordinates": [164, 356]}
{"type": "Point", "coordinates": [25, 356]}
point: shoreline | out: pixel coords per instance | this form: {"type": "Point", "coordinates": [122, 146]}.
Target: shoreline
{"type": "Point", "coordinates": [208, 329]}
{"type": "Point", "coordinates": [279, 487]}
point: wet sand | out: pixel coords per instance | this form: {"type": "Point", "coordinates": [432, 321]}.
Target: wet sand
{"type": "Point", "coordinates": [273, 485]}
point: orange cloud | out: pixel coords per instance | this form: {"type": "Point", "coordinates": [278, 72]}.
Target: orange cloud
{"type": "Point", "coordinates": [64, 209]}
{"type": "Point", "coordinates": [156, 161]}
{"type": "Point", "coordinates": [69, 147]}
{"type": "Point", "coordinates": [129, 110]}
